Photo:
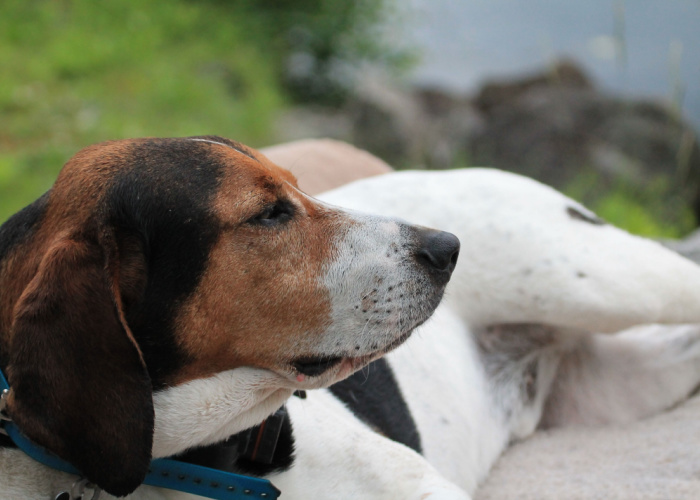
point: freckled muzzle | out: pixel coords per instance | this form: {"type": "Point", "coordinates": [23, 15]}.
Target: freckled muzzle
{"type": "Point", "coordinates": [388, 279]}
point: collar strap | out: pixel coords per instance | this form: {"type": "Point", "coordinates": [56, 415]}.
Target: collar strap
{"type": "Point", "coordinates": [163, 472]}
{"type": "Point", "coordinates": [260, 442]}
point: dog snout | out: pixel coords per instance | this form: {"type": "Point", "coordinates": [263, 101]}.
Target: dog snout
{"type": "Point", "coordinates": [437, 250]}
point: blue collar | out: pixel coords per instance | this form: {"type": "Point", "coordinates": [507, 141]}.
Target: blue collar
{"type": "Point", "coordinates": [164, 472]}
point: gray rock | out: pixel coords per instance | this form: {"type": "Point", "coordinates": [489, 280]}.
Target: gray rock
{"type": "Point", "coordinates": [554, 126]}
{"type": "Point", "coordinates": [555, 130]}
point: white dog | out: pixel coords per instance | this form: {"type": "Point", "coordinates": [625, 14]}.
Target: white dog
{"type": "Point", "coordinates": [517, 343]}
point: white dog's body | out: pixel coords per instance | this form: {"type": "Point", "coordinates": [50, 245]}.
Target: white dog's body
{"type": "Point", "coordinates": [550, 278]}
{"type": "Point", "coordinates": [512, 346]}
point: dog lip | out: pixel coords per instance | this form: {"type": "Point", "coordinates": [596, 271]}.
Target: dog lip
{"type": "Point", "coordinates": [314, 366]}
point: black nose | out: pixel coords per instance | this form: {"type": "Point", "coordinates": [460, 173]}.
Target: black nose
{"type": "Point", "coordinates": [437, 250]}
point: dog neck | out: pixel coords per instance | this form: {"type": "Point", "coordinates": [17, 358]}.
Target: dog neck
{"type": "Point", "coordinates": [214, 399]}
{"type": "Point", "coordinates": [207, 411]}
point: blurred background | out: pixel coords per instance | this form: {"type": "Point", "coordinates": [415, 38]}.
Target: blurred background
{"type": "Point", "coordinates": [600, 99]}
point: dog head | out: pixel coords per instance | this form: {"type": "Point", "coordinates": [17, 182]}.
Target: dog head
{"type": "Point", "coordinates": [155, 262]}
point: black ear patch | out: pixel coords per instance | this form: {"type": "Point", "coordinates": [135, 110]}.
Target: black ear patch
{"type": "Point", "coordinates": [375, 397]}
{"type": "Point", "coordinates": [164, 201]}
{"type": "Point", "coordinates": [577, 214]}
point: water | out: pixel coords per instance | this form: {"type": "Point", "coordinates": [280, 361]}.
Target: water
{"type": "Point", "coordinates": [648, 48]}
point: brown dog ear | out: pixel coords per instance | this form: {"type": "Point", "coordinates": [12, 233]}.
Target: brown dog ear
{"type": "Point", "coordinates": [79, 384]}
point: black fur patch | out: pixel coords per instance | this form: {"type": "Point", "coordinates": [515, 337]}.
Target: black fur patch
{"type": "Point", "coordinates": [6, 442]}
{"type": "Point", "coordinates": [375, 397]}
{"type": "Point", "coordinates": [20, 226]}
{"type": "Point", "coordinates": [227, 455]}
{"type": "Point", "coordinates": [164, 201]}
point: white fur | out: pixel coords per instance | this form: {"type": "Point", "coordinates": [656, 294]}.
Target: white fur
{"type": "Point", "coordinates": [446, 390]}
{"type": "Point", "coordinates": [373, 265]}
{"type": "Point", "coordinates": [209, 410]}
{"type": "Point", "coordinates": [374, 286]}
{"type": "Point", "coordinates": [342, 458]}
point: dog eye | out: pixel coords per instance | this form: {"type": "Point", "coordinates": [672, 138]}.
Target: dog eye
{"type": "Point", "coordinates": [275, 214]}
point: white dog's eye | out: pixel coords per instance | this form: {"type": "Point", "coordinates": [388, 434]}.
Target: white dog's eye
{"type": "Point", "coordinates": [277, 213]}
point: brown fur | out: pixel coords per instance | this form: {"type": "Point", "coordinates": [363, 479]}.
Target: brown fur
{"type": "Point", "coordinates": [253, 268]}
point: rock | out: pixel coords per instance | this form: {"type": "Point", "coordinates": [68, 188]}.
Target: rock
{"type": "Point", "coordinates": [387, 121]}
{"type": "Point", "coordinates": [557, 130]}
{"type": "Point", "coordinates": [548, 132]}
{"type": "Point", "coordinates": [565, 74]}
{"type": "Point", "coordinates": [411, 127]}
{"type": "Point", "coordinates": [554, 126]}
{"type": "Point", "coordinates": [405, 127]}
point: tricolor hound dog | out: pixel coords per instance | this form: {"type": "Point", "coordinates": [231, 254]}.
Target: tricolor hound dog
{"type": "Point", "coordinates": [168, 293]}
{"type": "Point", "coordinates": [511, 348]}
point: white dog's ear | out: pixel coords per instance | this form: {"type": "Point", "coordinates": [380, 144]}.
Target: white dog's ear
{"type": "Point", "coordinates": [79, 384]}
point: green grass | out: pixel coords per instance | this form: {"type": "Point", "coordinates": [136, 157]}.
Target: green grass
{"type": "Point", "coordinates": [650, 210]}
{"type": "Point", "coordinates": [76, 72]}
{"type": "Point", "coordinates": [79, 72]}
{"type": "Point", "coordinates": [632, 214]}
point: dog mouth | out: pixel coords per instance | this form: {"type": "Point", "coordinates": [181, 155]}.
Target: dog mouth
{"type": "Point", "coordinates": [314, 366]}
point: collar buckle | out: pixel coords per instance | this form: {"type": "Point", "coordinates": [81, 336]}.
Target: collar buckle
{"type": "Point", "coordinates": [77, 491]}
{"type": "Point", "coordinates": [4, 417]}
{"type": "Point", "coordinates": [3, 405]}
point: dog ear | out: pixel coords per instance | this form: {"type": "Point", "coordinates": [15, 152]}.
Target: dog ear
{"type": "Point", "coordinates": [79, 383]}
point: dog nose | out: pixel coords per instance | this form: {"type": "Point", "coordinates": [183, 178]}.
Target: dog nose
{"type": "Point", "coordinates": [437, 250]}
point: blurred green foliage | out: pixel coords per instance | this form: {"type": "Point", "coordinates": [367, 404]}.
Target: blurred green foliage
{"type": "Point", "coordinates": [76, 72]}
{"type": "Point", "coordinates": [320, 43]}
{"type": "Point", "coordinates": [646, 210]}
